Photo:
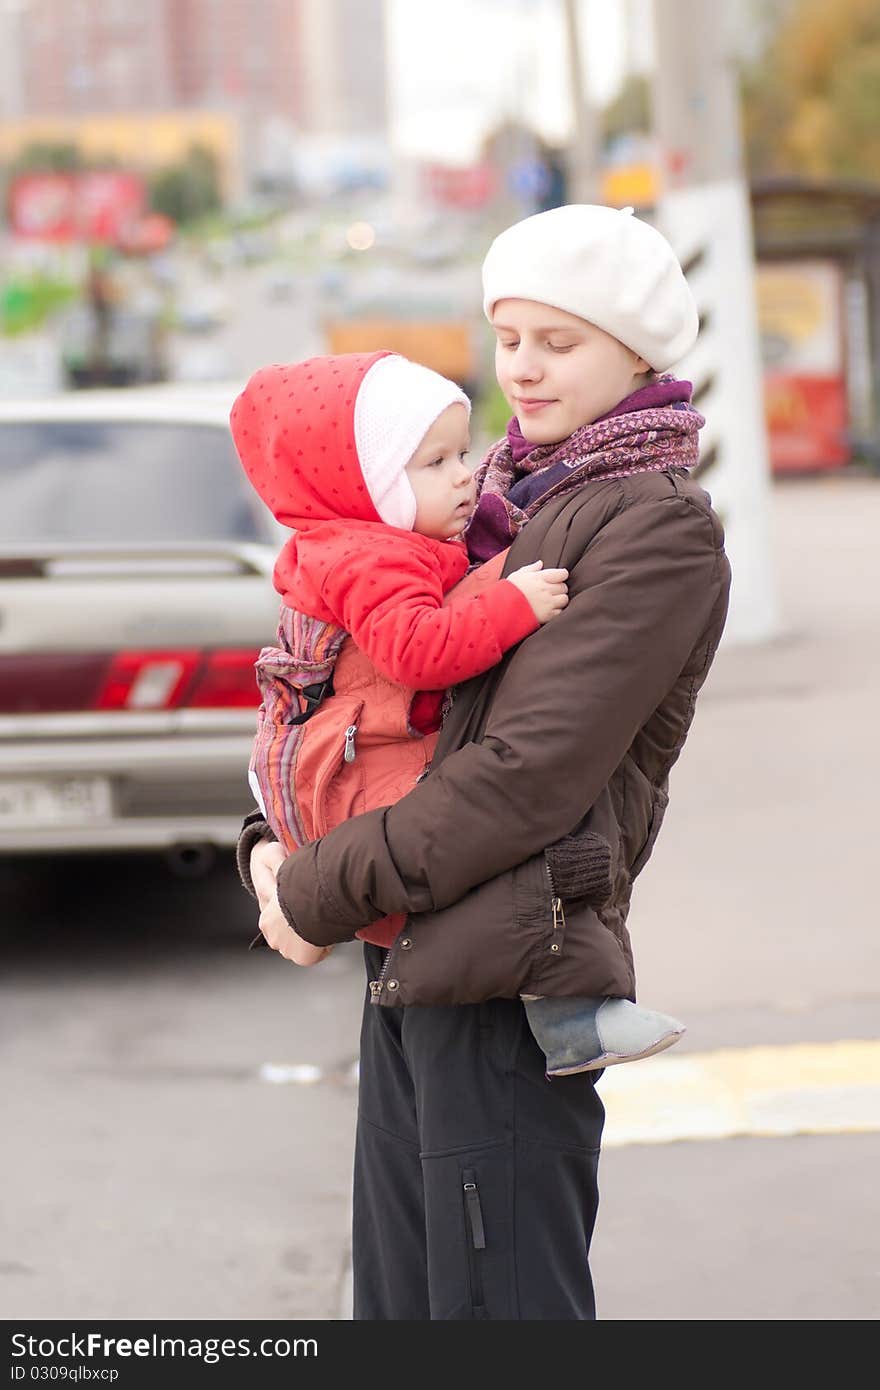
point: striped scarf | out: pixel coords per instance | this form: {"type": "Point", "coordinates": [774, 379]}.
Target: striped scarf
{"type": "Point", "coordinates": [631, 439]}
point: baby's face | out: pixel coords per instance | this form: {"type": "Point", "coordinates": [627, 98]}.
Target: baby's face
{"type": "Point", "coordinates": [440, 477]}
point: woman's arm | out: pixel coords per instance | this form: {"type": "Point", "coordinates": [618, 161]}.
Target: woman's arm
{"type": "Point", "coordinates": [565, 712]}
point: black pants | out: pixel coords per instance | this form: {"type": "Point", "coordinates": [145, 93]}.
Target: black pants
{"type": "Point", "coordinates": [475, 1188]}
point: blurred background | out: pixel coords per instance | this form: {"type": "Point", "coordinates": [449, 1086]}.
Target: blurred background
{"type": "Point", "coordinates": [190, 189]}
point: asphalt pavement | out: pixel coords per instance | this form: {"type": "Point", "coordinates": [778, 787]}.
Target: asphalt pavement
{"type": "Point", "coordinates": [180, 1111]}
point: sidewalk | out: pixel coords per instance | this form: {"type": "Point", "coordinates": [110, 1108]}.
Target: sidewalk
{"type": "Point", "coordinates": [752, 922]}
{"type": "Point", "coordinates": [772, 813]}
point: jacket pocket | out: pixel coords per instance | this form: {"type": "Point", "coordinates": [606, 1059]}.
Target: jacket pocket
{"type": "Point", "coordinates": [659, 802]}
{"type": "Point", "coordinates": [329, 777]}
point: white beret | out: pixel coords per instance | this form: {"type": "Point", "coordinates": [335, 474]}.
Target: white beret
{"type": "Point", "coordinates": [606, 266]}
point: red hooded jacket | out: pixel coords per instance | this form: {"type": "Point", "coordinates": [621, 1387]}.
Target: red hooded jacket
{"type": "Point", "coordinates": [293, 427]}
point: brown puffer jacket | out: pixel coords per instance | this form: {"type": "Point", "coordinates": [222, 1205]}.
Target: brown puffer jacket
{"type": "Point", "coordinates": [576, 729]}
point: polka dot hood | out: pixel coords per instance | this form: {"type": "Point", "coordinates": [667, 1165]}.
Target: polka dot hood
{"type": "Point", "coordinates": [293, 427]}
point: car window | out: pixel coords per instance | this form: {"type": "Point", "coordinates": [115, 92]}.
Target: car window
{"type": "Point", "coordinates": [108, 481]}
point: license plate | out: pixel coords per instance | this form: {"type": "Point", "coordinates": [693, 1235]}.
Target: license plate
{"type": "Point", "coordinates": [65, 801]}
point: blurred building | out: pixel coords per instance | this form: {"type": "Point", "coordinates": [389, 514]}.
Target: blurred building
{"type": "Point", "coordinates": [11, 68]}
{"type": "Point", "coordinates": [280, 69]}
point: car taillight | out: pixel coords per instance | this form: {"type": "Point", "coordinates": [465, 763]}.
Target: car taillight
{"type": "Point", "coordinates": [51, 682]}
{"type": "Point", "coordinates": [226, 679]}
{"type": "Point", "coordinates": [145, 680]}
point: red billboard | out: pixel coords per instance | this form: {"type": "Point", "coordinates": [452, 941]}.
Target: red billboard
{"type": "Point", "coordinates": [807, 419]}
{"type": "Point", "coordinates": [93, 206]}
{"type": "Point", "coordinates": [805, 391]}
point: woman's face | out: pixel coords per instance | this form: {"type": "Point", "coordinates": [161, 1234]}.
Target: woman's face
{"type": "Point", "coordinates": [557, 371]}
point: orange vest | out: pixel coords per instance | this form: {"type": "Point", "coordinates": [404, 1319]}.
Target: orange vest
{"type": "Point", "coordinates": [388, 758]}
{"type": "Point", "coordinates": [358, 750]}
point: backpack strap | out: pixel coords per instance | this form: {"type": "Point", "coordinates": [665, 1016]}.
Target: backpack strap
{"type": "Point", "coordinates": [294, 678]}
{"type": "Point", "coordinates": [297, 675]}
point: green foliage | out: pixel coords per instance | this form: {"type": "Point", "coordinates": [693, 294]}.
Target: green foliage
{"type": "Point", "coordinates": [493, 413]}
{"type": "Point", "coordinates": [812, 105]}
{"type": "Point", "coordinates": [27, 303]}
{"type": "Point", "coordinates": [45, 157]}
{"type": "Point", "coordinates": [188, 191]}
{"type": "Point", "coordinates": [630, 111]}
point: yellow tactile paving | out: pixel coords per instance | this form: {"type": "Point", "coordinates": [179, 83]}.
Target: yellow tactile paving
{"type": "Point", "coordinates": [803, 1088]}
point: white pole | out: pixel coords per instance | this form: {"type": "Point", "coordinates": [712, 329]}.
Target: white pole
{"type": "Point", "coordinates": [705, 211]}
{"type": "Point", "coordinates": [583, 160]}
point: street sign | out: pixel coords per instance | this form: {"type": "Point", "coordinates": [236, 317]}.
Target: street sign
{"type": "Point", "coordinates": [529, 180]}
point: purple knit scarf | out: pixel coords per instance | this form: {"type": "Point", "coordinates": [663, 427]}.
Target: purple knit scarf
{"type": "Point", "coordinates": [651, 431]}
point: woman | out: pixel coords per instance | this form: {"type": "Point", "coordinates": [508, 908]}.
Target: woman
{"type": "Point", "coordinates": [475, 1177]}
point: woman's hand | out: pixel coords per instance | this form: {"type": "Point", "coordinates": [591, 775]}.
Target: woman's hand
{"type": "Point", "coordinates": [545, 590]}
{"type": "Point", "coordinates": [266, 860]}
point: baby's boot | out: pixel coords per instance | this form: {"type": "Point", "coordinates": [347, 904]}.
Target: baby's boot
{"type": "Point", "coordinates": [587, 1034]}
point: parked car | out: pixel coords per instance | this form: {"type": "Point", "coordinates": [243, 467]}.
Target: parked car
{"type": "Point", "coordinates": [131, 350]}
{"type": "Point", "coordinates": [135, 594]}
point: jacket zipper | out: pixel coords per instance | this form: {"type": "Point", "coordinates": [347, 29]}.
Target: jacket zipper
{"type": "Point", "coordinates": [377, 985]}
{"type": "Point", "coordinates": [556, 907]}
{"type": "Point", "coordinates": [474, 1213]}
{"type": "Point", "coordinates": [350, 752]}
{"type": "Point", "coordinates": [446, 704]}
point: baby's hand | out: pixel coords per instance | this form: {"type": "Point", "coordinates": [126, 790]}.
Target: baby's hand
{"type": "Point", "coordinates": [545, 589]}
{"type": "Point", "coordinates": [283, 939]}
{"type": "Point", "coordinates": [266, 860]}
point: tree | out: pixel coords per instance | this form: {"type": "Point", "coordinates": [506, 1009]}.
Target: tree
{"type": "Point", "coordinates": [47, 157]}
{"type": "Point", "coordinates": [186, 191]}
{"type": "Point", "coordinates": [630, 111]}
{"type": "Point", "coordinates": [811, 105]}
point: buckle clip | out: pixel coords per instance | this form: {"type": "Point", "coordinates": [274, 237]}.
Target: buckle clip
{"type": "Point", "coordinates": [313, 696]}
